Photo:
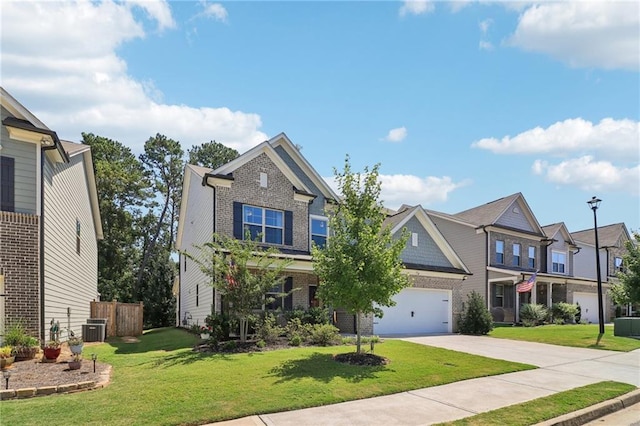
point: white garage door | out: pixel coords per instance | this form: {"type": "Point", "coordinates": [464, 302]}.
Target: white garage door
{"type": "Point", "coordinates": [588, 306]}
{"type": "Point", "coordinates": [417, 311]}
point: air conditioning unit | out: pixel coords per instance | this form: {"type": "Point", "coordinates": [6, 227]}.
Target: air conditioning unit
{"type": "Point", "coordinates": [93, 332]}
{"type": "Point", "coordinates": [99, 321]}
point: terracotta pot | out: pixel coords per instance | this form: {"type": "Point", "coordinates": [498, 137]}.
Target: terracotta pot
{"type": "Point", "coordinates": [6, 362]}
{"type": "Point", "coordinates": [75, 365]}
{"type": "Point", "coordinates": [52, 353]}
{"type": "Point", "coordinates": [24, 353]}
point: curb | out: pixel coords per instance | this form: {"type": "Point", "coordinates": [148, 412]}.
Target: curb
{"type": "Point", "coordinates": [594, 412]}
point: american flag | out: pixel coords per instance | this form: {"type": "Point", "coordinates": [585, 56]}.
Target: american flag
{"type": "Point", "coordinates": [524, 287]}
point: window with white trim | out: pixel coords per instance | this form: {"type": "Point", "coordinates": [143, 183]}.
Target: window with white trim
{"type": "Point", "coordinates": [414, 239]}
{"type": "Point", "coordinates": [618, 265]}
{"type": "Point", "coordinates": [516, 255]}
{"type": "Point", "coordinates": [319, 228]}
{"type": "Point", "coordinates": [264, 225]}
{"type": "Point", "coordinates": [532, 257]}
{"type": "Point", "coordinates": [558, 262]}
{"type": "Point", "coordinates": [498, 299]}
{"type": "Point", "coordinates": [499, 252]}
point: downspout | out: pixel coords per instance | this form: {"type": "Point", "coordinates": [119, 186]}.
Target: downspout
{"type": "Point", "coordinates": [205, 182]}
{"type": "Point", "coordinates": [608, 262]}
{"type": "Point", "coordinates": [42, 160]}
{"type": "Point", "coordinates": [486, 265]}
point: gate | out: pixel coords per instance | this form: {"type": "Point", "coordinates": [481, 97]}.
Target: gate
{"type": "Point", "coordinates": [123, 319]}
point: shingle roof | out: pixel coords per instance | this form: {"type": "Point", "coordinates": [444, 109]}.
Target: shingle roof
{"type": "Point", "coordinates": [74, 148]}
{"type": "Point", "coordinates": [487, 214]}
{"type": "Point", "coordinates": [393, 220]}
{"type": "Point", "coordinates": [551, 230]}
{"type": "Point", "coordinates": [607, 235]}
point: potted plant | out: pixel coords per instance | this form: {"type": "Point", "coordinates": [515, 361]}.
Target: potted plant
{"type": "Point", "coordinates": [24, 346]}
{"type": "Point", "coordinates": [205, 332]}
{"type": "Point", "coordinates": [52, 350]}
{"type": "Point", "coordinates": [76, 362]}
{"type": "Point", "coordinates": [6, 357]}
{"type": "Point", "coordinates": [75, 344]}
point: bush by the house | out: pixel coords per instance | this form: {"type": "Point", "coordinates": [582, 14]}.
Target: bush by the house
{"type": "Point", "coordinates": [268, 329]}
{"type": "Point", "coordinates": [313, 315]}
{"type": "Point", "coordinates": [532, 315]}
{"type": "Point", "coordinates": [563, 312]}
{"type": "Point", "coordinates": [324, 335]}
{"type": "Point", "coordinates": [476, 318]}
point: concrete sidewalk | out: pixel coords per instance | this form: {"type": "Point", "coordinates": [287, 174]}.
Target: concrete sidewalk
{"type": "Point", "coordinates": [561, 368]}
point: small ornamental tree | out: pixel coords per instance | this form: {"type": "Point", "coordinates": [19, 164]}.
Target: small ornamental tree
{"type": "Point", "coordinates": [629, 287]}
{"type": "Point", "coordinates": [360, 267]}
{"type": "Point", "coordinates": [243, 272]}
{"type": "Point", "coordinates": [476, 318]}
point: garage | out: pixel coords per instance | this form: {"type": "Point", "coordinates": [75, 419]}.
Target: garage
{"type": "Point", "coordinates": [417, 311]}
{"type": "Point", "coordinates": [588, 306]}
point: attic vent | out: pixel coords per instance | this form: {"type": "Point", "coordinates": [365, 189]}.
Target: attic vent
{"type": "Point", "coordinates": [263, 180]}
{"type": "Point", "coordinates": [516, 210]}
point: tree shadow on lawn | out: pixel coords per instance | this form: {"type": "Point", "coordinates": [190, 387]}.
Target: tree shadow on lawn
{"type": "Point", "coordinates": [186, 358]}
{"type": "Point", "coordinates": [323, 368]}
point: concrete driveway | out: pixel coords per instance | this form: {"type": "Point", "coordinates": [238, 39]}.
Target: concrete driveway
{"type": "Point", "coordinates": [561, 368]}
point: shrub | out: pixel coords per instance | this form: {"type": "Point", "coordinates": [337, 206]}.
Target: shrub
{"type": "Point", "coordinates": [295, 340]}
{"type": "Point", "coordinates": [268, 330]}
{"type": "Point", "coordinates": [261, 344]}
{"type": "Point", "coordinates": [324, 335]}
{"type": "Point", "coordinates": [578, 314]}
{"type": "Point", "coordinates": [476, 318]}
{"type": "Point", "coordinates": [351, 340]}
{"type": "Point", "coordinates": [295, 328]}
{"type": "Point", "coordinates": [532, 315]}
{"type": "Point", "coordinates": [16, 335]}
{"type": "Point", "coordinates": [564, 311]}
{"type": "Point", "coordinates": [313, 315]}
{"type": "Point", "coordinates": [219, 326]}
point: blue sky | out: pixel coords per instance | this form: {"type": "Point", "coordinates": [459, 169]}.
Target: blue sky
{"type": "Point", "coordinates": [461, 103]}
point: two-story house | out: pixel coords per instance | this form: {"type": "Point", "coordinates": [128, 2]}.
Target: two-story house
{"type": "Point", "coordinates": [272, 191]}
{"type": "Point", "coordinates": [611, 242]}
{"type": "Point", "coordinates": [49, 225]}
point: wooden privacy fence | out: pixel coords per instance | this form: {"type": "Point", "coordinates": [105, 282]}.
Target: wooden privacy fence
{"type": "Point", "coordinates": [123, 319]}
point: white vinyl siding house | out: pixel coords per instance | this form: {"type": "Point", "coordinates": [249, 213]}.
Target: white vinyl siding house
{"type": "Point", "coordinates": [70, 278]}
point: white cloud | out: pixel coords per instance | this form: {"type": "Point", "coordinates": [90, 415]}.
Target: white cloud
{"type": "Point", "coordinates": [485, 45]}
{"type": "Point", "coordinates": [416, 7]}
{"type": "Point", "coordinates": [214, 11]}
{"type": "Point", "coordinates": [396, 135]}
{"type": "Point", "coordinates": [610, 138]}
{"type": "Point", "coordinates": [484, 25]}
{"type": "Point", "coordinates": [587, 174]}
{"type": "Point", "coordinates": [601, 34]}
{"type": "Point", "coordinates": [408, 189]}
{"type": "Point", "coordinates": [66, 71]}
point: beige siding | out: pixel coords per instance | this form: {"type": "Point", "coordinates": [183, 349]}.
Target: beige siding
{"type": "Point", "coordinates": [197, 229]}
{"type": "Point", "coordinates": [25, 156]}
{"type": "Point", "coordinates": [71, 279]}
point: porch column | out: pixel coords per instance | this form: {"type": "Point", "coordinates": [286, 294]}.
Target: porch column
{"type": "Point", "coordinates": [549, 293]}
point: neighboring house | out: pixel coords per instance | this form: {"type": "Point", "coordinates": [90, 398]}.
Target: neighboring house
{"type": "Point", "coordinates": [611, 242]}
{"type": "Point", "coordinates": [503, 245]}
{"type": "Point", "coordinates": [273, 190]}
{"type": "Point", "coordinates": [49, 225]}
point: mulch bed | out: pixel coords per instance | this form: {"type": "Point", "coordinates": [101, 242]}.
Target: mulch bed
{"type": "Point", "coordinates": [367, 359]}
{"type": "Point", "coordinates": [34, 373]}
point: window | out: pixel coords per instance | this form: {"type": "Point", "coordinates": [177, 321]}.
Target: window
{"type": "Point", "coordinates": [197, 294]}
{"type": "Point", "coordinates": [414, 239]}
{"type": "Point", "coordinates": [617, 262]}
{"type": "Point", "coordinates": [319, 231]}
{"type": "Point", "coordinates": [7, 184]}
{"type": "Point", "coordinates": [78, 236]}
{"type": "Point", "coordinates": [532, 257]}
{"type": "Point", "coordinates": [559, 261]}
{"type": "Point", "coordinates": [516, 255]}
{"type": "Point", "coordinates": [185, 263]}
{"type": "Point", "coordinates": [274, 299]}
{"type": "Point", "coordinates": [499, 251]}
{"type": "Point", "coordinates": [498, 300]}
{"type": "Point", "coordinates": [314, 302]}
{"type": "Point", "coordinates": [264, 225]}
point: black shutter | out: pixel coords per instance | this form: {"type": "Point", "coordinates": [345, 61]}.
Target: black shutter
{"type": "Point", "coordinates": [237, 220]}
{"type": "Point", "coordinates": [288, 228]}
{"type": "Point", "coordinates": [288, 300]}
{"type": "Point", "coordinates": [7, 184]}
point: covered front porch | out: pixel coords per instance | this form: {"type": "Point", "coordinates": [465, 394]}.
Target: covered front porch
{"type": "Point", "coordinates": [505, 301]}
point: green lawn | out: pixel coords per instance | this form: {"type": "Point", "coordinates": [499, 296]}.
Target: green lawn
{"type": "Point", "coordinates": [161, 381]}
{"type": "Point", "coordinates": [578, 335]}
{"type": "Point", "coordinates": [539, 410]}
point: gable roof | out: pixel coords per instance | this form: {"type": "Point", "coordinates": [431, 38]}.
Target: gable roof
{"type": "Point", "coordinates": [608, 235]}
{"type": "Point", "coordinates": [282, 140]}
{"type": "Point", "coordinates": [491, 212]}
{"type": "Point", "coordinates": [552, 230]}
{"type": "Point", "coordinates": [397, 222]}
{"type": "Point", "coordinates": [263, 148]}
{"type": "Point", "coordinates": [27, 127]}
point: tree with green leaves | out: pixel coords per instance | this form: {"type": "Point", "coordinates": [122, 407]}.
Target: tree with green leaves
{"type": "Point", "coordinates": [360, 268]}
{"type": "Point", "coordinates": [628, 289]}
{"type": "Point", "coordinates": [243, 272]}
{"type": "Point", "coordinates": [122, 191]}
{"type": "Point", "coordinates": [211, 154]}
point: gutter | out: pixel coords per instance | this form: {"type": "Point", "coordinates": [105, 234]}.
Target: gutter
{"type": "Point", "coordinates": [42, 160]}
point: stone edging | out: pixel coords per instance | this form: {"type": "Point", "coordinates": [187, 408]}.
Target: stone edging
{"type": "Point", "coordinates": [50, 390]}
{"type": "Point", "coordinates": [594, 412]}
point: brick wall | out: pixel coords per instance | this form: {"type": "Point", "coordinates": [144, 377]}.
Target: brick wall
{"type": "Point", "coordinates": [20, 262]}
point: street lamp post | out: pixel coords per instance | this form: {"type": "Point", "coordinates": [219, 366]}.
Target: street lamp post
{"type": "Point", "coordinates": [594, 203]}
